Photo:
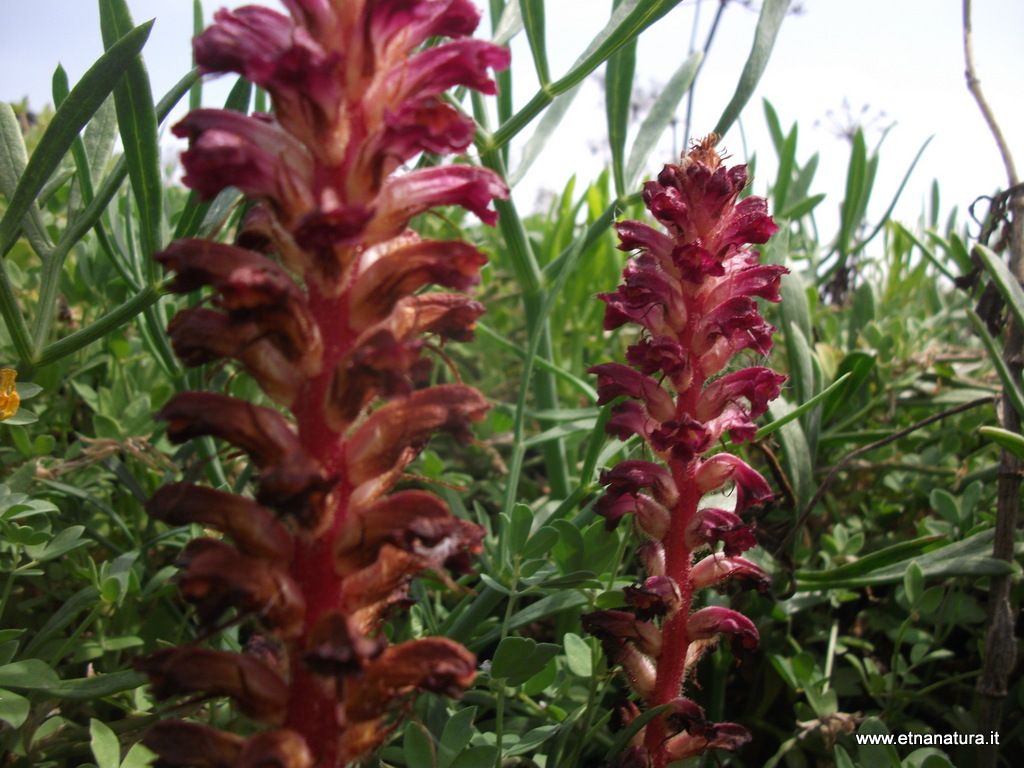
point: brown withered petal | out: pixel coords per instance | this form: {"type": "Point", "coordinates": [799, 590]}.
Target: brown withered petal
{"type": "Point", "coordinates": [253, 528]}
{"type": "Point", "coordinates": [449, 315]}
{"type": "Point", "coordinates": [394, 435]}
{"type": "Point", "coordinates": [200, 335]}
{"type": "Point", "coordinates": [179, 744]}
{"type": "Point", "coordinates": [257, 690]}
{"type": "Point", "coordinates": [606, 624]}
{"type": "Point", "coordinates": [416, 521]}
{"type": "Point", "coordinates": [335, 647]}
{"type": "Point", "coordinates": [252, 288]}
{"type": "Point", "coordinates": [275, 749]}
{"type": "Point", "coordinates": [242, 278]}
{"type": "Point", "coordinates": [434, 664]}
{"type": "Point", "coordinates": [368, 593]}
{"type": "Point", "coordinates": [402, 271]}
{"type": "Point", "coordinates": [379, 365]}
{"type": "Point", "coordinates": [290, 480]}
{"type": "Point", "coordinates": [217, 577]}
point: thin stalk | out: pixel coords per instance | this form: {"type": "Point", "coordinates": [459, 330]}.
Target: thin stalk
{"type": "Point", "coordinates": [97, 330]}
{"type": "Point", "coordinates": [1000, 643]}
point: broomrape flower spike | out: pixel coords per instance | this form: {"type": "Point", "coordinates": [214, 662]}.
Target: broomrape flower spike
{"type": "Point", "coordinates": [691, 289]}
{"type": "Point", "coordinates": [319, 299]}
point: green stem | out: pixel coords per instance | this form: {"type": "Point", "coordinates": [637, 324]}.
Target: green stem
{"type": "Point", "coordinates": [100, 328]}
{"type": "Point", "coordinates": [15, 322]}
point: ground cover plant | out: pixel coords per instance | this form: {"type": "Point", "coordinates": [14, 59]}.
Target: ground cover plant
{"type": "Point", "coordinates": [242, 413]}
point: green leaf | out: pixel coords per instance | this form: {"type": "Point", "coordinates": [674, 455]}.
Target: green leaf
{"type": "Point", "coordinates": [628, 20]}
{"type": "Point", "coordinates": [1004, 280]}
{"type": "Point", "coordinates": [88, 688]}
{"type": "Point", "coordinates": [84, 599]}
{"type": "Point", "coordinates": [455, 737]}
{"type": "Point", "coordinates": [578, 655]}
{"type": "Point", "coordinates": [519, 658]}
{"type": "Point", "coordinates": [796, 451]}
{"type": "Point", "coordinates": [533, 20]}
{"type": "Point", "coordinates": [80, 105]}
{"type": "Point", "coordinates": [138, 757]}
{"type": "Point", "coordinates": [970, 557]}
{"type": "Point", "coordinates": [531, 740]}
{"type": "Point", "coordinates": [23, 416]}
{"type": "Point", "coordinates": [13, 158]}
{"type": "Point", "coordinates": [477, 757]}
{"type": "Point", "coordinates": [661, 115]}
{"type": "Point", "coordinates": [31, 674]}
{"type": "Point", "coordinates": [876, 755]}
{"type": "Point", "coordinates": [787, 161]}
{"type": "Point", "coordinates": [772, 14]}
{"type": "Point", "coordinates": [856, 174]}
{"type": "Point", "coordinates": [104, 744]}
{"type": "Point", "coordinates": [65, 541]}
{"type": "Point", "coordinates": [14, 709]}
{"type": "Point", "coordinates": [418, 747]}
{"type": "Point", "coordinates": [852, 372]}
{"type": "Point", "coordinates": [136, 118]}
{"type": "Point", "coordinates": [1004, 438]}
{"type": "Point", "coordinates": [543, 608]}
{"type": "Point", "coordinates": [913, 582]}
{"type": "Point", "coordinates": [618, 96]}
{"type": "Point", "coordinates": [1011, 391]}
{"type": "Point", "coordinates": [541, 542]}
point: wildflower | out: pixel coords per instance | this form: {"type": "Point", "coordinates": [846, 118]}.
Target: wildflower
{"type": "Point", "coordinates": [691, 289]}
{"type": "Point", "coordinates": [9, 399]}
{"type": "Point", "coordinates": [320, 300]}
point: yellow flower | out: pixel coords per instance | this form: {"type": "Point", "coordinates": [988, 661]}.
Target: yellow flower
{"type": "Point", "coordinates": [9, 399]}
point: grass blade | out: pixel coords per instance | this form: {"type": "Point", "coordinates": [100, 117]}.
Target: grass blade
{"type": "Point", "coordinates": [772, 14]}
{"type": "Point", "coordinates": [659, 117]}
{"type": "Point", "coordinates": [80, 105]}
{"type": "Point", "coordinates": [136, 119]}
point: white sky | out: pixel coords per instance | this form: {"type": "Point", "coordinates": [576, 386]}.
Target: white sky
{"type": "Point", "coordinates": [900, 57]}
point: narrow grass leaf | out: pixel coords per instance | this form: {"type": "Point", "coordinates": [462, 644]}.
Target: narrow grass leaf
{"type": "Point", "coordinates": [853, 371]}
{"type": "Point", "coordinates": [533, 20]}
{"type": "Point", "coordinates": [618, 95]}
{"type": "Point", "coordinates": [1010, 389]}
{"type": "Point", "coordinates": [659, 117]}
{"type": "Point", "coordinates": [787, 161]}
{"type": "Point", "coordinates": [1004, 438]}
{"type": "Point", "coordinates": [81, 104]}
{"type": "Point", "coordinates": [1008, 285]}
{"type": "Point", "coordinates": [137, 123]}
{"type": "Point", "coordinates": [834, 390]}
{"type": "Point", "coordinates": [856, 172]}
{"type": "Point", "coordinates": [768, 25]}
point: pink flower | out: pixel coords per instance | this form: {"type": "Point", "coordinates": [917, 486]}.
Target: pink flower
{"type": "Point", "coordinates": [692, 291]}
{"type": "Point", "coordinates": [320, 299]}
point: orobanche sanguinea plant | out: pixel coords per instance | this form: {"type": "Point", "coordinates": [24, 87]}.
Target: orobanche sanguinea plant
{"type": "Point", "coordinates": [691, 289]}
{"type": "Point", "coordinates": [319, 299]}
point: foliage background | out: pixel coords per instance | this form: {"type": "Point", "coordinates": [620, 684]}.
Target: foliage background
{"type": "Point", "coordinates": [880, 539]}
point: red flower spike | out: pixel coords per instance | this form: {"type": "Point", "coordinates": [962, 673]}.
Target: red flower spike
{"type": "Point", "coordinates": [692, 291]}
{"type": "Point", "coordinates": [324, 299]}
{"type": "Point", "coordinates": [715, 570]}
{"type": "Point", "coordinates": [257, 690]}
{"type": "Point", "coordinates": [253, 528]}
{"type": "Point", "coordinates": [216, 576]}
{"type": "Point", "coordinates": [179, 744]}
